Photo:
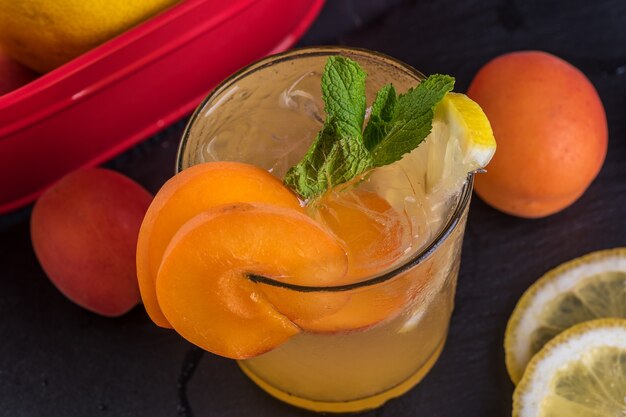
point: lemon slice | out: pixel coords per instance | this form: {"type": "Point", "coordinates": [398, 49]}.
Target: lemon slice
{"type": "Point", "coordinates": [580, 373]}
{"type": "Point", "coordinates": [590, 287]}
{"type": "Point", "coordinates": [470, 127]}
{"type": "Point", "coordinates": [461, 142]}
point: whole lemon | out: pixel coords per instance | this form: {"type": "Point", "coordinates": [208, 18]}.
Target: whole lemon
{"type": "Point", "coordinates": [44, 34]}
{"type": "Point", "coordinates": [551, 130]}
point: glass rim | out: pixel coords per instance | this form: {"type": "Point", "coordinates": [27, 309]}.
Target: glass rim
{"type": "Point", "coordinates": [277, 58]}
{"type": "Point", "coordinates": [462, 200]}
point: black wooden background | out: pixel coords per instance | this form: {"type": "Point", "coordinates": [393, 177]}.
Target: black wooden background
{"type": "Point", "coordinates": [59, 360]}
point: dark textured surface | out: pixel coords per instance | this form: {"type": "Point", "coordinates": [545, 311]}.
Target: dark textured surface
{"type": "Point", "coordinates": [59, 360]}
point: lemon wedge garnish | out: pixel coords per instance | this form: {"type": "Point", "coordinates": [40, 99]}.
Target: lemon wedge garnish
{"type": "Point", "coordinates": [580, 373]}
{"type": "Point", "coordinates": [586, 288]}
{"type": "Point", "coordinates": [461, 142]}
{"type": "Point", "coordinates": [470, 127]}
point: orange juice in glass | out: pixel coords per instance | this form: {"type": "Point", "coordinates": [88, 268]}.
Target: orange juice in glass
{"type": "Point", "coordinates": [370, 340]}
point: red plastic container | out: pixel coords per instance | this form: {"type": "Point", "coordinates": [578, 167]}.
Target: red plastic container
{"type": "Point", "coordinates": [104, 101]}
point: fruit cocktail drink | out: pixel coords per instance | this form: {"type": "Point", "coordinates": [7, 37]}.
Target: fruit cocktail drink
{"type": "Point", "coordinates": [338, 341]}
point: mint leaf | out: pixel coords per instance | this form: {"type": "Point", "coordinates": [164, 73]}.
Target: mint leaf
{"type": "Point", "coordinates": [343, 91]}
{"type": "Point", "coordinates": [411, 121]}
{"type": "Point", "coordinates": [380, 117]}
{"type": "Point", "coordinates": [338, 153]}
{"type": "Point", "coordinates": [333, 159]}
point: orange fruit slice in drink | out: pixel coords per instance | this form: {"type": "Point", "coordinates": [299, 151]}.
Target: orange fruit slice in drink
{"type": "Point", "coordinates": [372, 234]}
{"type": "Point", "coordinates": [189, 193]}
{"type": "Point", "coordinates": [369, 228]}
{"type": "Point", "coordinates": [203, 287]}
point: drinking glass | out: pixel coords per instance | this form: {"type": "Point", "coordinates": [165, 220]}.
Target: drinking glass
{"type": "Point", "coordinates": [378, 337]}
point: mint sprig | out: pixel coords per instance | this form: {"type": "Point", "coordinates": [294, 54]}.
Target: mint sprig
{"type": "Point", "coordinates": [337, 153]}
{"type": "Point", "coordinates": [342, 149]}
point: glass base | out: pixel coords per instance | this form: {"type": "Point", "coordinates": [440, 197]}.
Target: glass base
{"type": "Point", "coordinates": [352, 406]}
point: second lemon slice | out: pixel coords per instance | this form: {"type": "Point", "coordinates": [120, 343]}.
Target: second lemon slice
{"type": "Point", "coordinates": [580, 373]}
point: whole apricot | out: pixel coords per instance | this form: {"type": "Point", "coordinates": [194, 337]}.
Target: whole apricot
{"type": "Point", "coordinates": [551, 130]}
{"type": "Point", "coordinates": [84, 231]}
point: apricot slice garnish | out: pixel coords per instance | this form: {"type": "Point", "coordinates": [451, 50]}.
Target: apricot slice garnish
{"type": "Point", "coordinates": [203, 285]}
{"type": "Point", "coordinates": [191, 192]}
